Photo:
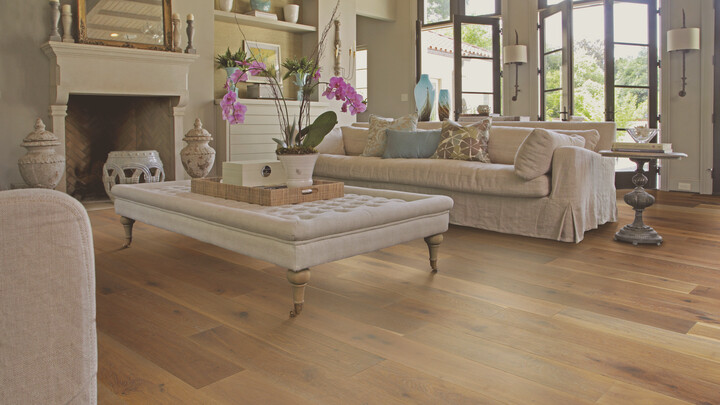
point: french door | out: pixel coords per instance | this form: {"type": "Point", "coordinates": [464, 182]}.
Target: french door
{"type": "Point", "coordinates": [623, 82]}
{"type": "Point", "coordinates": [477, 71]}
{"type": "Point", "coordinates": [556, 81]}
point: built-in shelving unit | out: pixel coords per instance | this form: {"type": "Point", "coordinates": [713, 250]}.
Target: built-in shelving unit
{"type": "Point", "coordinates": [262, 22]}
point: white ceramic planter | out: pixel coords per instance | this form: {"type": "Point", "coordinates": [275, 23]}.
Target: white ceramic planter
{"type": "Point", "coordinates": [197, 156]}
{"type": "Point", "coordinates": [291, 12]}
{"type": "Point", "coordinates": [299, 169]}
{"type": "Point", "coordinates": [132, 167]}
{"type": "Point", "coordinates": [41, 166]}
{"type": "Point", "coordinates": [225, 5]}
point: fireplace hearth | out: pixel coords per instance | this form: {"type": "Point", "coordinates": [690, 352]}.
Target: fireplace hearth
{"type": "Point", "coordinates": [98, 125]}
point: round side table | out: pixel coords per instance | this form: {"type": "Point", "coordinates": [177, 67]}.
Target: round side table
{"type": "Point", "coordinates": [637, 232]}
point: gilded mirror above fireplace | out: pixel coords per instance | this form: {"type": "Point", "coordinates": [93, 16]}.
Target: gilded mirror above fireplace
{"type": "Point", "coordinates": [144, 24]}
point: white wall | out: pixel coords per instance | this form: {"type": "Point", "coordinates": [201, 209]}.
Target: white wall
{"type": "Point", "coordinates": [521, 15]}
{"type": "Point", "coordinates": [686, 122]}
{"type": "Point", "coordinates": [24, 80]}
{"type": "Point", "coordinates": [391, 61]}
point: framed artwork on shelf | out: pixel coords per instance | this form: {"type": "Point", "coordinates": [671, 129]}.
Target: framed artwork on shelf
{"type": "Point", "coordinates": [269, 54]}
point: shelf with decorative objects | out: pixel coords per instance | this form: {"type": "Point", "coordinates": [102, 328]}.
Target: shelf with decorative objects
{"type": "Point", "coordinates": [260, 22]}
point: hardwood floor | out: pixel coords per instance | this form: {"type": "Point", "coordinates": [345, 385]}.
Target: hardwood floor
{"type": "Point", "coordinates": [507, 320]}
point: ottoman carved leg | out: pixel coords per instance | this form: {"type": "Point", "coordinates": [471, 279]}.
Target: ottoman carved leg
{"type": "Point", "coordinates": [128, 225]}
{"type": "Point", "coordinates": [298, 280]}
{"type": "Point", "coordinates": [433, 243]}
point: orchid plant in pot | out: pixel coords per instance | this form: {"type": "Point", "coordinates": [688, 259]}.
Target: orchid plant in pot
{"type": "Point", "coordinates": [299, 135]}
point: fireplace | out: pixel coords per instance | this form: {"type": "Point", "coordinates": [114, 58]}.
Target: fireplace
{"type": "Point", "coordinates": [107, 98]}
{"type": "Point", "coordinates": [97, 125]}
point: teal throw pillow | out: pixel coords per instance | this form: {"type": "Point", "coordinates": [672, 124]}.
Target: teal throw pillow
{"type": "Point", "coordinates": [419, 144]}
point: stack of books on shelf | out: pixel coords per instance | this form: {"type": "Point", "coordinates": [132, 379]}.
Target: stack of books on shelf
{"type": "Point", "coordinates": [642, 147]}
{"type": "Point", "coordinates": [262, 14]}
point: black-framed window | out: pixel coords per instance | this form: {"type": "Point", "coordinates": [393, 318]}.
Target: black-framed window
{"type": "Point", "coordinates": [442, 47]}
{"type": "Point", "coordinates": [432, 12]}
{"type": "Point", "coordinates": [613, 55]}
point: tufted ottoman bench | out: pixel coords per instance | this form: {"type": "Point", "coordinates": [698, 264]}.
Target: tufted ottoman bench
{"type": "Point", "coordinates": [292, 236]}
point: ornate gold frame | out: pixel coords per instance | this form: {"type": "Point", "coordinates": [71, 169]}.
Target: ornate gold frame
{"type": "Point", "coordinates": [167, 30]}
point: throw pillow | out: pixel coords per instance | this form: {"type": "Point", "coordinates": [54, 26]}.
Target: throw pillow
{"type": "Point", "coordinates": [418, 144]}
{"type": "Point", "coordinates": [504, 143]}
{"type": "Point", "coordinates": [378, 138]}
{"type": "Point", "coordinates": [354, 140]}
{"type": "Point", "coordinates": [332, 144]}
{"type": "Point", "coordinates": [592, 136]}
{"type": "Point", "coordinates": [464, 142]}
{"type": "Point", "coordinates": [534, 158]}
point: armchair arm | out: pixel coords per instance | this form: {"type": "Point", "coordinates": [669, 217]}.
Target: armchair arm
{"type": "Point", "coordinates": [579, 174]}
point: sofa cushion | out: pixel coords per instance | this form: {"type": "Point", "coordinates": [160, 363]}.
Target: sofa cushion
{"type": "Point", "coordinates": [504, 143]}
{"type": "Point", "coordinates": [354, 140]}
{"type": "Point", "coordinates": [332, 143]}
{"type": "Point", "coordinates": [378, 125]}
{"type": "Point", "coordinates": [430, 125]}
{"type": "Point", "coordinates": [534, 157]}
{"type": "Point", "coordinates": [411, 144]}
{"type": "Point", "coordinates": [592, 136]}
{"type": "Point", "coordinates": [441, 174]}
{"type": "Point", "coordinates": [460, 142]}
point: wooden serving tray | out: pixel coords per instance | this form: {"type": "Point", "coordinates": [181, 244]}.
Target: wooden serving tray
{"type": "Point", "coordinates": [320, 190]}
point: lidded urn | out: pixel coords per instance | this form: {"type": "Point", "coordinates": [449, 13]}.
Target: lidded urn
{"type": "Point", "coordinates": [42, 166]}
{"type": "Point", "coordinates": [197, 156]}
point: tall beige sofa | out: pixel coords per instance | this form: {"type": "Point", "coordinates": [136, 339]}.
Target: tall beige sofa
{"type": "Point", "coordinates": [577, 195]}
{"type": "Point", "coordinates": [48, 340]}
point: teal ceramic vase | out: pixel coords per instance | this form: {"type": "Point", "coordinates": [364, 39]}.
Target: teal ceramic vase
{"type": "Point", "coordinates": [299, 80]}
{"type": "Point", "coordinates": [424, 98]}
{"type": "Point", "coordinates": [260, 5]}
{"type": "Point", "coordinates": [229, 71]}
{"type": "Point", "coordinates": [444, 105]}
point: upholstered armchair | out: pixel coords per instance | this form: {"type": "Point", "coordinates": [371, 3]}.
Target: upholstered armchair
{"type": "Point", "coordinates": [48, 340]}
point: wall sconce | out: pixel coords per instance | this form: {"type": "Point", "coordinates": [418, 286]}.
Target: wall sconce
{"type": "Point", "coordinates": [683, 39]}
{"type": "Point", "coordinates": [516, 55]}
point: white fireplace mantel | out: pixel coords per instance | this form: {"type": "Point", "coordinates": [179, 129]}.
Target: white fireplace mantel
{"type": "Point", "coordinates": [113, 71]}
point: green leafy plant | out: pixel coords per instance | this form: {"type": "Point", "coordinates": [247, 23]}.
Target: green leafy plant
{"type": "Point", "coordinates": [230, 59]}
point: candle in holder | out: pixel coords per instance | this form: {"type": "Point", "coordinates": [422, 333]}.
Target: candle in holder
{"type": "Point", "coordinates": [176, 33]}
{"type": "Point", "coordinates": [67, 23]}
{"type": "Point", "coordinates": [190, 33]}
{"type": "Point", "coordinates": [54, 19]}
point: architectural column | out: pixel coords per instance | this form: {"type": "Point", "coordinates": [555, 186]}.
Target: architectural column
{"type": "Point", "coordinates": [178, 134]}
{"type": "Point", "coordinates": [57, 115]}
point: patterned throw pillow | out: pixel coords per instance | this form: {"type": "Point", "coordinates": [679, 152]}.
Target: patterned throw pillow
{"type": "Point", "coordinates": [377, 137]}
{"type": "Point", "coordinates": [464, 142]}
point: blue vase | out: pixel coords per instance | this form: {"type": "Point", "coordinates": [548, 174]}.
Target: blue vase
{"type": "Point", "coordinates": [260, 5]}
{"type": "Point", "coordinates": [424, 98]}
{"type": "Point", "coordinates": [229, 71]}
{"type": "Point", "coordinates": [444, 105]}
{"type": "Point", "coordinates": [299, 79]}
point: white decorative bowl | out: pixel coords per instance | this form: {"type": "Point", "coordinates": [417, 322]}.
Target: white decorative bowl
{"type": "Point", "coordinates": [641, 134]}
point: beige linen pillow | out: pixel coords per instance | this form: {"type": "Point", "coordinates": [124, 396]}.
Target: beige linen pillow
{"type": "Point", "coordinates": [354, 140]}
{"type": "Point", "coordinates": [378, 138]}
{"type": "Point", "coordinates": [534, 157]}
{"type": "Point", "coordinates": [429, 125]}
{"type": "Point", "coordinates": [332, 144]}
{"type": "Point", "coordinates": [459, 142]}
{"type": "Point", "coordinates": [592, 136]}
{"type": "Point", "coordinates": [504, 143]}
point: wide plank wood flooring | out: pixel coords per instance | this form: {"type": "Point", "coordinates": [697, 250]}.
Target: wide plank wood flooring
{"type": "Point", "coordinates": [507, 320]}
